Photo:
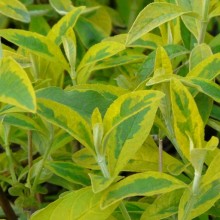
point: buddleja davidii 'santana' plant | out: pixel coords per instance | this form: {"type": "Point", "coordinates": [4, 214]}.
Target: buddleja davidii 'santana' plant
{"type": "Point", "coordinates": [112, 123]}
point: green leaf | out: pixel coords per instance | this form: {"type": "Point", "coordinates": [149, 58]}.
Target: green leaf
{"type": "Point", "coordinates": [100, 96]}
{"type": "Point", "coordinates": [21, 121]}
{"type": "Point", "coordinates": [15, 86]}
{"type": "Point", "coordinates": [78, 205]}
{"type": "Point", "coordinates": [64, 24]}
{"type": "Point", "coordinates": [127, 124]}
{"type": "Point", "coordinates": [198, 54]}
{"type": "Point", "coordinates": [14, 9]}
{"type": "Point", "coordinates": [66, 118]}
{"type": "Point", "coordinates": [164, 206]}
{"type": "Point", "coordinates": [152, 16]}
{"type": "Point", "coordinates": [61, 6]}
{"type": "Point", "coordinates": [35, 43]}
{"type": "Point", "coordinates": [142, 184]}
{"type": "Point", "coordinates": [188, 123]}
{"type": "Point", "coordinates": [208, 68]}
{"type": "Point", "coordinates": [69, 171]}
{"type": "Point", "coordinates": [96, 53]}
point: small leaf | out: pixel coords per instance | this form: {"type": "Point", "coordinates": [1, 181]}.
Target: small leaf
{"type": "Point", "coordinates": [14, 9]}
{"type": "Point", "coordinates": [187, 120]}
{"type": "Point", "coordinates": [96, 53]}
{"type": "Point", "coordinates": [64, 24]}
{"type": "Point", "coordinates": [15, 86]}
{"type": "Point", "coordinates": [152, 16]}
{"type": "Point", "coordinates": [77, 205]}
{"type": "Point", "coordinates": [69, 171]}
{"type": "Point", "coordinates": [142, 184]}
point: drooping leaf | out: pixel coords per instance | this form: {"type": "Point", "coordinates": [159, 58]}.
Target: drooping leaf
{"type": "Point", "coordinates": [61, 27]}
{"type": "Point", "coordinates": [35, 43]}
{"type": "Point", "coordinates": [78, 205]}
{"type": "Point", "coordinates": [15, 86]}
{"type": "Point", "coordinates": [69, 171]}
{"type": "Point", "coordinates": [152, 16]}
{"type": "Point", "coordinates": [127, 124]}
{"type": "Point", "coordinates": [142, 184]}
{"type": "Point", "coordinates": [14, 9]}
{"type": "Point", "coordinates": [187, 120]}
{"type": "Point", "coordinates": [96, 53]}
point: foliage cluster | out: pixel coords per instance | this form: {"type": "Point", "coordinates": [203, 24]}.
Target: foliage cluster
{"type": "Point", "coordinates": [109, 109]}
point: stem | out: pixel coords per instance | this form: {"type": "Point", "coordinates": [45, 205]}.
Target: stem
{"type": "Point", "coordinates": [204, 21]}
{"type": "Point", "coordinates": [45, 156]}
{"type": "Point", "coordinates": [9, 154]}
{"type": "Point", "coordinates": [5, 204]}
{"type": "Point", "coordinates": [102, 164]}
{"type": "Point", "coordinates": [30, 149]}
{"type": "Point", "coordinates": [160, 155]}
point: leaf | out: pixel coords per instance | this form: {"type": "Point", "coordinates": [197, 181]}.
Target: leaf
{"type": "Point", "coordinates": [152, 16]}
{"type": "Point", "coordinates": [35, 43]}
{"type": "Point", "coordinates": [205, 86]}
{"type": "Point", "coordinates": [21, 121]}
{"type": "Point", "coordinates": [66, 118]}
{"type": "Point", "coordinates": [187, 120]}
{"type": "Point", "coordinates": [142, 184]}
{"type": "Point", "coordinates": [198, 54]}
{"type": "Point", "coordinates": [127, 124]}
{"type": "Point", "coordinates": [15, 86]}
{"type": "Point", "coordinates": [164, 206]}
{"type": "Point", "coordinates": [64, 24]}
{"type": "Point", "coordinates": [14, 9]}
{"type": "Point", "coordinates": [96, 53]}
{"type": "Point", "coordinates": [82, 204]}
{"type": "Point", "coordinates": [61, 6]}
{"type": "Point", "coordinates": [208, 68]}
{"type": "Point", "coordinates": [100, 96]}
{"type": "Point", "coordinates": [69, 171]}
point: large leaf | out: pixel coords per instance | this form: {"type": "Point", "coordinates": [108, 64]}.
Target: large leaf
{"type": "Point", "coordinates": [14, 9]}
{"type": "Point", "coordinates": [142, 184]}
{"type": "Point", "coordinates": [66, 118]}
{"type": "Point", "coordinates": [62, 26]}
{"type": "Point", "coordinates": [35, 43]}
{"type": "Point", "coordinates": [127, 124]}
{"type": "Point", "coordinates": [15, 86]}
{"type": "Point", "coordinates": [188, 123]}
{"type": "Point", "coordinates": [152, 16]}
{"type": "Point", "coordinates": [83, 99]}
{"type": "Point", "coordinates": [78, 205]}
{"type": "Point", "coordinates": [69, 171]}
{"type": "Point", "coordinates": [96, 53]}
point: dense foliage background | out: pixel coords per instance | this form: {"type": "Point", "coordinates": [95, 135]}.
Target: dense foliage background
{"type": "Point", "coordinates": [109, 109]}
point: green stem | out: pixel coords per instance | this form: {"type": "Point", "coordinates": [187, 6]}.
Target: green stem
{"type": "Point", "coordinates": [39, 171]}
{"type": "Point", "coordinates": [102, 164]}
{"type": "Point", "coordinates": [160, 143]}
{"type": "Point", "coordinates": [204, 21]}
{"type": "Point", "coordinates": [9, 154]}
{"type": "Point", "coordinates": [30, 149]}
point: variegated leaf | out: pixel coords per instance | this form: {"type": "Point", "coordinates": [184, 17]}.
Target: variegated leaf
{"type": "Point", "coordinates": [188, 124]}
{"type": "Point", "coordinates": [35, 43]}
{"type": "Point", "coordinates": [82, 204]}
{"type": "Point", "coordinates": [141, 184]}
{"type": "Point", "coordinates": [15, 86]}
{"type": "Point", "coordinates": [14, 9]}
